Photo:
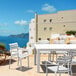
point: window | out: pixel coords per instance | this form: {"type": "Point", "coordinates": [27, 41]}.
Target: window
{"type": "Point", "coordinates": [63, 25]}
{"type": "Point", "coordinates": [44, 20]}
{"type": "Point", "coordinates": [61, 17]}
{"type": "Point", "coordinates": [45, 28]}
{"type": "Point", "coordinates": [39, 38]}
{"type": "Point", "coordinates": [50, 28]}
{"type": "Point", "coordinates": [33, 21]}
{"type": "Point", "coordinates": [48, 39]}
{"type": "Point", "coordinates": [30, 29]}
{"type": "Point", "coordinates": [31, 37]}
{"type": "Point", "coordinates": [50, 20]}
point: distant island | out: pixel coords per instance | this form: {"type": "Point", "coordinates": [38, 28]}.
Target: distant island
{"type": "Point", "coordinates": [22, 39]}
{"type": "Point", "coordinates": [22, 35]}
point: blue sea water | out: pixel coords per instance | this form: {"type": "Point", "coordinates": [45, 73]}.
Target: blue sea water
{"type": "Point", "coordinates": [7, 40]}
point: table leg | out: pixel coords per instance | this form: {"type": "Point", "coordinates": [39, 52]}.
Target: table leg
{"type": "Point", "coordinates": [35, 58]}
{"type": "Point", "coordinates": [49, 56]}
{"type": "Point", "coordinates": [38, 61]}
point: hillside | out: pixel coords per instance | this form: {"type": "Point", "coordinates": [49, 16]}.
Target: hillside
{"type": "Point", "coordinates": [22, 35]}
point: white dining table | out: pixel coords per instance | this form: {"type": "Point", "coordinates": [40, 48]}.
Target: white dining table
{"type": "Point", "coordinates": [50, 47]}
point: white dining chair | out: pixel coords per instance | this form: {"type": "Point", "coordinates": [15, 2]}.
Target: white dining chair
{"type": "Point", "coordinates": [61, 66]}
{"type": "Point", "coordinates": [72, 53]}
{"type": "Point", "coordinates": [19, 53]}
{"type": "Point", "coordinates": [30, 47]}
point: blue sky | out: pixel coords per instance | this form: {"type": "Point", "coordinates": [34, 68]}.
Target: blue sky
{"type": "Point", "coordinates": [15, 15]}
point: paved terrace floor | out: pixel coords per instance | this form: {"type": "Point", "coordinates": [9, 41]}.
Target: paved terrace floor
{"type": "Point", "coordinates": [32, 71]}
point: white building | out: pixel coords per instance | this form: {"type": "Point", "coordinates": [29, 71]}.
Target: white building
{"type": "Point", "coordinates": [32, 31]}
{"type": "Point", "coordinates": [43, 26]}
{"type": "Point", "coordinates": [56, 23]}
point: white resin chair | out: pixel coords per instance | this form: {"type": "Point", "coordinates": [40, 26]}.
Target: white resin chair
{"type": "Point", "coordinates": [61, 66]}
{"type": "Point", "coordinates": [18, 53]}
{"type": "Point", "coordinates": [72, 53]}
{"type": "Point", "coordinates": [30, 47]}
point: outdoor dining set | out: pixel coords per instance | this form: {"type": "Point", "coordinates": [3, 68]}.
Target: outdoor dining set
{"type": "Point", "coordinates": [62, 46]}
{"type": "Point", "coordinates": [61, 64]}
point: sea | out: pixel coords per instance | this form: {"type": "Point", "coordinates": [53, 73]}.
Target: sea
{"type": "Point", "coordinates": [7, 40]}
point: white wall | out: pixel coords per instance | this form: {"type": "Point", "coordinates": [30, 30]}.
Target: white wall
{"type": "Point", "coordinates": [32, 31]}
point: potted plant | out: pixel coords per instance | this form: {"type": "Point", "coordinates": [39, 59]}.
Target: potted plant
{"type": "Point", "coordinates": [2, 47]}
{"type": "Point", "coordinates": [71, 32]}
{"type": "Point", "coordinates": [2, 53]}
{"type": "Point", "coordinates": [68, 33]}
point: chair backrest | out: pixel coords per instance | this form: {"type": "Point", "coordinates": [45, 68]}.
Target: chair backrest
{"type": "Point", "coordinates": [64, 61]}
{"type": "Point", "coordinates": [72, 53]}
{"type": "Point", "coordinates": [30, 47]}
{"type": "Point", "coordinates": [13, 45]}
{"type": "Point", "coordinates": [13, 49]}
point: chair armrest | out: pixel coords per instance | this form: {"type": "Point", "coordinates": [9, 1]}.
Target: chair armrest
{"type": "Point", "coordinates": [23, 49]}
{"type": "Point", "coordinates": [23, 53]}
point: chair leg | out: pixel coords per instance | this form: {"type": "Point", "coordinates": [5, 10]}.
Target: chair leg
{"type": "Point", "coordinates": [53, 57]}
{"type": "Point", "coordinates": [10, 62]}
{"type": "Point", "coordinates": [28, 60]}
{"type": "Point", "coordinates": [55, 74]}
{"type": "Point", "coordinates": [59, 74]}
{"type": "Point", "coordinates": [20, 63]}
{"type": "Point", "coordinates": [70, 73]}
{"type": "Point", "coordinates": [49, 57]}
{"type": "Point", "coordinates": [46, 71]}
{"type": "Point", "coordinates": [56, 55]}
{"type": "Point", "coordinates": [71, 70]}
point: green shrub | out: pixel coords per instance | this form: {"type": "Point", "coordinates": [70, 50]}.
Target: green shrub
{"type": "Point", "coordinates": [71, 32]}
{"type": "Point", "coordinates": [2, 46]}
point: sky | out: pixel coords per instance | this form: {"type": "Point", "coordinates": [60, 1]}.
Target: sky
{"type": "Point", "coordinates": [15, 15]}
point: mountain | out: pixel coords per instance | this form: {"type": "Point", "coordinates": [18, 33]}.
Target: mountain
{"type": "Point", "coordinates": [22, 35]}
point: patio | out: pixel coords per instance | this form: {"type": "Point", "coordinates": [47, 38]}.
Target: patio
{"type": "Point", "coordinates": [32, 71]}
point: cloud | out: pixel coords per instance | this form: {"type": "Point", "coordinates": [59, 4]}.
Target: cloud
{"type": "Point", "coordinates": [3, 24]}
{"type": "Point", "coordinates": [48, 8]}
{"type": "Point", "coordinates": [4, 30]}
{"type": "Point", "coordinates": [22, 22]}
{"type": "Point", "coordinates": [30, 11]}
